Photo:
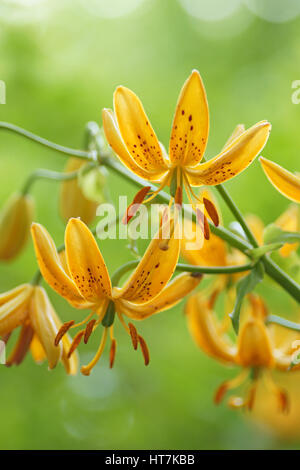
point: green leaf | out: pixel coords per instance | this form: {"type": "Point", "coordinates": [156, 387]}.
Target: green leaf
{"type": "Point", "coordinates": [274, 234]}
{"type": "Point", "coordinates": [262, 250]}
{"type": "Point", "coordinates": [244, 287]}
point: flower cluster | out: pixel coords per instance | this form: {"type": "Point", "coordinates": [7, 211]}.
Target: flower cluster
{"type": "Point", "coordinates": [227, 317]}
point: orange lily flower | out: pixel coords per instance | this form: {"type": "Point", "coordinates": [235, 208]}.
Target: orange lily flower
{"type": "Point", "coordinates": [132, 138]}
{"type": "Point", "coordinates": [255, 349]}
{"type": "Point", "coordinates": [29, 307]}
{"type": "Point", "coordinates": [215, 251]}
{"type": "Point", "coordinates": [85, 282]}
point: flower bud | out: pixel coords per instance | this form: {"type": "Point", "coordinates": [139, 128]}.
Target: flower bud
{"type": "Point", "coordinates": [15, 221]}
{"type": "Point", "coordinates": [73, 202]}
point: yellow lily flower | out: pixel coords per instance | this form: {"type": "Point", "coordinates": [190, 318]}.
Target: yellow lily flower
{"type": "Point", "coordinates": [264, 412]}
{"type": "Point", "coordinates": [29, 308]}
{"type": "Point", "coordinates": [132, 138]}
{"type": "Point", "coordinates": [86, 281]}
{"type": "Point", "coordinates": [255, 350]}
{"type": "Point", "coordinates": [73, 202]}
{"type": "Point", "coordinates": [215, 251]}
{"type": "Point", "coordinates": [283, 180]}
{"type": "Point", "coordinates": [15, 221]}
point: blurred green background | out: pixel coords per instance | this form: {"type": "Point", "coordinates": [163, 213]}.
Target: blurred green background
{"type": "Point", "coordinates": [61, 61]}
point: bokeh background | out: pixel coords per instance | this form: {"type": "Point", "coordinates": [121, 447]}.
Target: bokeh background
{"type": "Point", "coordinates": [61, 61]}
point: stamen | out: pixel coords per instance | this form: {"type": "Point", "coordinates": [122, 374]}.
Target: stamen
{"type": "Point", "coordinates": [111, 332]}
{"type": "Point", "coordinates": [165, 182]}
{"type": "Point", "coordinates": [134, 335]}
{"type": "Point", "coordinates": [284, 402]}
{"type": "Point", "coordinates": [123, 322]}
{"type": "Point", "coordinates": [202, 221]}
{"type": "Point", "coordinates": [230, 384]}
{"type": "Point", "coordinates": [220, 393]}
{"type": "Point", "coordinates": [212, 211]}
{"type": "Point", "coordinates": [251, 397]}
{"type": "Point", "coordinates": [83, 321]}
{"type": "Point", "coordinates": [134, 206]}
{"type": "Point", "coordinates": [166, 237]}
{"type": "Point", "coordinates": [75, 342]}
{"type": "Point", "coordinates": [189, 190]}
{"type": "Point", "coordinates": [164, 216]}
{"type": "Point", "coordinates": [283, 399]}
{"type": "Point", "coordinates": [86, 370]}
{"type": "Point", "coordinates": [88, 330]}
{"type": "Point", "coordinates": [62, 331]}
{"type": "Point", "coordinates": [144, 349]}
{"type": "Point", "coordinates": [112, 353]}
{"type": "Point", "coordinates": [178, 196]}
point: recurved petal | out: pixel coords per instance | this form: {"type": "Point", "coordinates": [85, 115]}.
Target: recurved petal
{"type": "Point", "coordinates": [14, 309]}
{"type": "Point", "coordinates": [71, 363]}
{"type": "Point", "coordinates": [240, 128]}
{"type": "Point", "coordinates": [254, 346]}
{"type": "Point", "coordinates": [44, 326]}
{"type": "Point", "coordinates": [191, 123]}
{"type": "Point", "coordinates": [233, 159]}
{"type": "Point", "coordinates": [137, 132]}
{"type": "Point", "coordinates": [85, 262]}
{"type": "Point", "coordinates": [155, 268]}
{"type": "Point", "coordinates": [283, 180]}
{"type": "Point", "coordinates": [173, 293]}
{"type": "Point", "coordinates": [203, 330]}
{"type": "Point", "coordinates": [52, 268]}
{"type": "Point", "coordinates": [116, 142]}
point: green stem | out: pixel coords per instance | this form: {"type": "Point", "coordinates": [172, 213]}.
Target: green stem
{"type": "Point", "coordinates": [214, 269]}
{"type": "Point", "coordinates": [281, 277]}
{"type": "Point", "coordinates": [37, 278]}
{"type": "Point", "coordinates": [184, 268]}
{"type": "Point", "coordinates": [85, 155]}
{"type": "Point", "coordinates": [237, 213]}
{"type": "Point", "coordinates": [52, 175]}
{"type": "Point", "coordinates": [283, 322]}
